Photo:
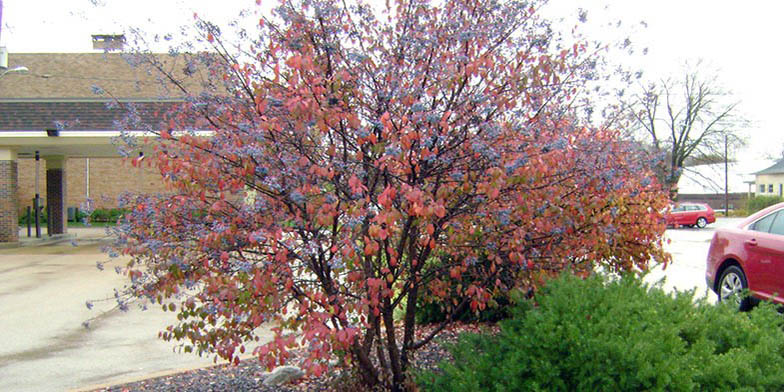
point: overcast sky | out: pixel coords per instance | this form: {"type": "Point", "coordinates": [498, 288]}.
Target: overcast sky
{"type": "Point", "coordinates": [738, 40]}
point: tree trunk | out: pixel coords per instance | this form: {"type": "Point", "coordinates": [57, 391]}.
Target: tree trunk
{"type": "Point", "coordinates": [368, 373]}
{"type": "Point", "coordinates": [392, 349]}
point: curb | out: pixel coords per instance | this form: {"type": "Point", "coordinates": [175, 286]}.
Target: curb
{"type": "Point", "coordinates": [44, 240]}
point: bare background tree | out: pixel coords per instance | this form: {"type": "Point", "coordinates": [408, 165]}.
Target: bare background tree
{"type": "Point", "coordinates": [687, 120]}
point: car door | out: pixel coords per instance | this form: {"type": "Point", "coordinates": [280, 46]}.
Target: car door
{"type": "Point", "coordinates": [689, 215]}
{"type": "Point", "coordinates": [773, 244]}
{"type": "Point", "coordinates": [764, 246]}
{"type": "Point", "coordinates": [678, 214]}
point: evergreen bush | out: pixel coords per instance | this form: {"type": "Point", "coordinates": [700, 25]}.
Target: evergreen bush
{"type": "Point", "coordinates": [619, 335]}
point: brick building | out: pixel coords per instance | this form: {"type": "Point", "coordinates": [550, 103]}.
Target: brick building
{"type": "Point", "coordinates": [66, 107]}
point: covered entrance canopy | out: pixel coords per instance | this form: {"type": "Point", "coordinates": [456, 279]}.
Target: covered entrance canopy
{"type": "Point", "coordinates": [71, 105]}
{"type": "Point", "coordinates": [54, 148]}
{"type": "Point", "coordinates": [74, 144]}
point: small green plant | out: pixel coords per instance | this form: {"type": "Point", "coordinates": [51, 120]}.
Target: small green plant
{"type": "Point", "coordinates": [23, 217]}
{"type": "Point", "coordinates": [757, 203]}
{"type": "Point", "coordinates": [620, 335]}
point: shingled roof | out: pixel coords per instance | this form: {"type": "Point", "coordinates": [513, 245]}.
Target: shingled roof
{"type": "Point", "coordinates": [27, 115]}
{"type": "Point", "coordinates": [93, 75]}
{"type": "Point", "coordinates": [75, 91]}
{"type": "Point", "coordinates": [777, 168]}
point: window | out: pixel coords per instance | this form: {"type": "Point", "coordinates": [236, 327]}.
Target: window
{"type": "Point", "coordinates": [763, 224]}
{"type": "Point", "coordinates": [770, 188]}
{"type": "Point", "coordinates": [762, 188]}
{"type": "Point", "coordinates": [778, 225]}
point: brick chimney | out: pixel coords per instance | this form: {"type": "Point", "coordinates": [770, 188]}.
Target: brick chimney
{"type": "Point", "coordinates": [108, 41]}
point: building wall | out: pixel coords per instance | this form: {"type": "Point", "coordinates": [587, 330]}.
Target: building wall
{"type": "Point", "coordinates": [8, 219]}
{"type": "Point", "coordinates": [777, 180]}
{"type": "Point", "coordinates": [109, 178]}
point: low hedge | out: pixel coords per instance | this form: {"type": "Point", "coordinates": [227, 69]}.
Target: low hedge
{"type": "Point", "coordinates": [98, 215]}
{"type": "Point", "coordinates": [620, 335]}
{"type": "Point", "coordinates": [106, 215]}
{"type": "Point", "coordinates": [757, 203]}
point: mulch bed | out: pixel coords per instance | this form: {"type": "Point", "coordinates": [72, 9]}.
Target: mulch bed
{"type": "Point", "coordinates": [249, 374]}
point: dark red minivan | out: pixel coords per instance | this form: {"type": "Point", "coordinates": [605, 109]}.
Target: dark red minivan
{"type": "Point", "coordinates": [750, 256]}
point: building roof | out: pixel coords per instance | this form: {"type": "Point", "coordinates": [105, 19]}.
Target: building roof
{"type": "Point", "coordinates": [776, 168]}
{"type": "Point", "coordinates": [75, 91]}
{"type": "Point", "coordinates": [28, 115]}
{"type": "Point", "coordinates": [94, 75]}
{"type": "Point", "coordinates": [88, 98]}
{"type": "Point", "coordinates": [709, 179]}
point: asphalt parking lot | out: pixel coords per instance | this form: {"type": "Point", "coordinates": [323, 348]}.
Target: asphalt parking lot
{"type": "Point", "coordinates": [689, 249]}
{"type": "Point", "coordinates": [43, 346]}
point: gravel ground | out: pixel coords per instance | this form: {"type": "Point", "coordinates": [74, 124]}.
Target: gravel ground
{"type": "Point", "coordinates": [249, 374]}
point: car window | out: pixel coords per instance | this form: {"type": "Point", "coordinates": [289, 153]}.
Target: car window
{"type": "Point", "coordinates": [778, 225]}
{"type": "Point", "coordinates": [764, 223]}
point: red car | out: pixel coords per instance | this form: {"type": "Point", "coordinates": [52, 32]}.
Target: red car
{"type": "Point", "coordinates": [690, 214]}
{"type": "Point", "coordinates": [749, 256]}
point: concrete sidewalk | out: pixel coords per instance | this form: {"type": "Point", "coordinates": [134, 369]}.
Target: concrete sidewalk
{"type": "Point", "coordinates": [43, 345]}
{"type": "Point", "coordinates": [83, 234]}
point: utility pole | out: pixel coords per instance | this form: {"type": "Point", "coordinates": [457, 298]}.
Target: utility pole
{"type": "Point", "coordinates": [726, 181]}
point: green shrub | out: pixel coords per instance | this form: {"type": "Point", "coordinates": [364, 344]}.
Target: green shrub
{"type": "Point", "coordinates": [433, 312]}
{"type": "Point", "coordinates": [81, 215]}
{"type": "Point", "coordinates": [106, 215]}
{"type": "Point", "coordinates": [23, 217]}
{"type": "Point", "coordinates": [98, 215]}
{"type": "Point", "coordinates": [498, 308]}
{"type": "Point", "coordinates": [739, 213]}
{"type": "Point", "coordinates": [757, 203]}
{"type": "Point", "coordinates": [594, 334]}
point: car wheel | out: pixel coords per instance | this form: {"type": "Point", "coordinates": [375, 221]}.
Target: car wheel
{"type": "Point", "coordinates": [702, 222]}
{"type": "Point", "coordinates": [731, 285]}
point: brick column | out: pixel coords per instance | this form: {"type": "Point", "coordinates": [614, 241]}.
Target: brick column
{"type": "Point", "coordinates": [55, 194]}
{"type": "Point", "coordinates": [9, 196]}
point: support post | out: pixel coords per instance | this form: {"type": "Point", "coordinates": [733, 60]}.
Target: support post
{"type": "Point", "coordinates": [37, 198]}
{"type": "Point", "coordinates": [48, 219]}
{"type": "Point", "coordinates": [57, 215]}
{"type": "Point", "coordinates": [37, 209]}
